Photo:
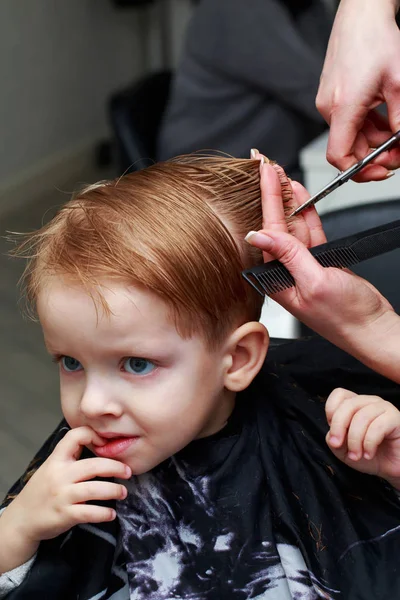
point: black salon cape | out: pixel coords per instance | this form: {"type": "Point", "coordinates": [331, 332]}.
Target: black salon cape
{"type": "Point", "coordinates": [276, 477]}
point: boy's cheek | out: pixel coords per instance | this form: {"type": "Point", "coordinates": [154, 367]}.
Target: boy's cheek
{"type": "Point", "coordinates": [70, 407]}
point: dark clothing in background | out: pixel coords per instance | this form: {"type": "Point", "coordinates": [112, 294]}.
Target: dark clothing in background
{"type": "Point", "coordinates": [248, 78]}
{"type": "Point", "coordinates": [262, 509]}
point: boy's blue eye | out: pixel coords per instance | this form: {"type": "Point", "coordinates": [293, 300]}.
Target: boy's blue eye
{"type": "Point", "coordinates": [70, 364]}
{"type": "Point", "coordinates": [138, 366]}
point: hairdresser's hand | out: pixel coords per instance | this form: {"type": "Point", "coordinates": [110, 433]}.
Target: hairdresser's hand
{"type": "Point", "coordinates": [362, 71]}
{"type": "Point", "coordinates": [336, 303]}
{"type": "Point", "coordinates": [365, 434]}
{"type": "Point", "coordinates": [54, 499]}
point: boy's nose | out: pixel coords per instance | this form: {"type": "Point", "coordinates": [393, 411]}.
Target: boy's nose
{"type": "Point", "coordinates": [97, 402]}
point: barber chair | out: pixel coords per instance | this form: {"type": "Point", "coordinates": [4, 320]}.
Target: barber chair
{"type": "Point", "coordinates": [135, 115]}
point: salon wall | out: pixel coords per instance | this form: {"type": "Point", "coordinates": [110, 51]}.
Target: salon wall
{"type": "Point", "coordinates": [59, 62]}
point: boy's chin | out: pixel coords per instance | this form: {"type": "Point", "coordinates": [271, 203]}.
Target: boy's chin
{"type": "Point", "coordinates": [141, 466]}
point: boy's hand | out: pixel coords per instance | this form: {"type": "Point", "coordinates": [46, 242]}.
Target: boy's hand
{"type": "Point", "coordinates": [54, 499]}
{"type": "Point", "coordinates": [365, 434]}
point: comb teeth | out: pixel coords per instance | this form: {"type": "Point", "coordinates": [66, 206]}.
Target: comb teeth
{"type": "Point", "coordinates": [275, 280]}
{"type": "Point", "coordinates": [338, 257]}
{"type": "Point", "coordinates": [272, 281]}
{"type": "Point", "coordinates": [274, 277]}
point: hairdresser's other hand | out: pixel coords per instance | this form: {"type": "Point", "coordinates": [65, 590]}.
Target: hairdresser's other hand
{"type": "Point", "coordinates": [362, 71]}
{"type": "Point", "coordinates": [54, 499]}
{"type": "Point", "coordinates": [365, 434]}
{"type": "Point", "coordinates": [336, 303]}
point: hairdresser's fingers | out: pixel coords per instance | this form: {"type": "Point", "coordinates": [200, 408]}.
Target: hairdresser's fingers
{"type": "Point", "coordinates": [390, 160]}
{"type": "Point", "coordinates": [347, 143]}
{"type": "Point", "coordinates": [307, 272]}
{"type": "Point", "coordinates": [274, 205]}
{"type": "Point", "coordinates": [297, 226]}
{"type": "Point", "coordinates": [280, 201]}
{"type": "Point", "coordinates": [310, 215]}
{"type": "Point", "coordinates": [276, 194]}
{"type": "Point", "coordinates": [271, 200]}
{"type": "Point", "coordinates": [377, 131]}
{"type": "Point", "coordinates": [345, 123]}
{"type": "Point", "coordinates": [372, 172]}
{"type": "Point", "coordinates": [306, 226]}
{"type": "Point", "coordinates": [312, 280]}
{"type": "Point", "coordinates": [379, 121]}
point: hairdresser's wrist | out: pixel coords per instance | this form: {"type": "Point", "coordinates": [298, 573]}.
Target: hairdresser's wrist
{"type": "Point", "coordinates": [392, 5]}
{"type": "Point", "coordinates": [395, 5]}
{"type": "Point", "coordinates": [16, 548]}
{"type": "Point", "coordinates": [376, 344]}
{"type": "Point", "coordinates": [378, 6]}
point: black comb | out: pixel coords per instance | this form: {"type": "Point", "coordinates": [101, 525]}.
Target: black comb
{"type": "Point", "coordinates": [273, 277]}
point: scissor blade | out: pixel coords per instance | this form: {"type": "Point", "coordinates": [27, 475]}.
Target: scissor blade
{"type": "Point", "coordinates": [330, 187]}
{"type": "Point", "coordinates": [348, 174]}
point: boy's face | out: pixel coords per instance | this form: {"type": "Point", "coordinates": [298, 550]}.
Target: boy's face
{"type": "Point", "coordinates": [130, 376]}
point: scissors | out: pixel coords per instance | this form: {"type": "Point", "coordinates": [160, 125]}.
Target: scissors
{"type": "Point", "coordinates": [348, 174]}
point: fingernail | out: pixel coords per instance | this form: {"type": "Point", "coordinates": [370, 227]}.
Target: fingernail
{"type": "Point", "coordinates": [334, 440]}
{"type": "Point", "coordinates": [128, 471]}
{"type": "Point", "coordinates": [367, 455]}
{"type": "Point", "coordinates": [250, 235]}
{"type": "Point", "coordinates": [390, 174]}
{"type": "Point", "coordinates": [262, 162]}
{"type": "Point", "coordinates": [352, 456]}
{"type": "Point", "coordinates": [253, 152]}
{"type": "Point", "coordinates": [257, 238]}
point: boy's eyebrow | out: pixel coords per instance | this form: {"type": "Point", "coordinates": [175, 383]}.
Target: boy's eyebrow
{"type": "Point", "coordinates": [125, 349]}
{"type": "Point", "coordinates": [141, 350]}
{"type": "Point", "coordinates": [52, 351]}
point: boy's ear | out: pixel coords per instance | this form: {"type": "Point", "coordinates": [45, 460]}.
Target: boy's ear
{"type": "Point", "coordinates": [246, 351]}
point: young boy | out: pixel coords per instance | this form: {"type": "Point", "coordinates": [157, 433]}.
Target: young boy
{"type": "Point", "coordinates": [213, 460]}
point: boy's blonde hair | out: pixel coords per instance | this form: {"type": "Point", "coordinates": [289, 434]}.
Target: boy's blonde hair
{"type": "Point", "coordinates": [175, 229]}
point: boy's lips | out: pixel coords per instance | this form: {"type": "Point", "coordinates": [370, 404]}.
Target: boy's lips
{"type": "Point", "coordinates": [112, 435]}
{"type": "Point", "coordinates": [115, 445]}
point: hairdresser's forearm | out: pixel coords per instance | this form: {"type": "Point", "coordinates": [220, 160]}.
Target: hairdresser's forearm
{"type": "Point", "coordinates": [392, 4]}
{"type": "Point", "coordinates": [377, 345]}
{"type": "Point", "coordinates": [380, 5]}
